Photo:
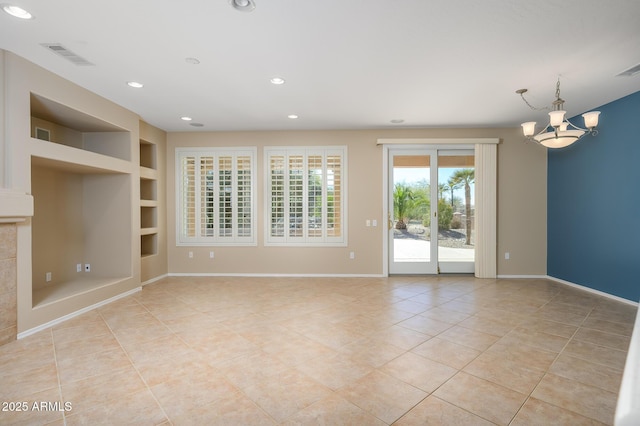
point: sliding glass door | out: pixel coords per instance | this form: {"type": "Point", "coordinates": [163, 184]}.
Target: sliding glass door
{"type": "Point", "coordinates": [431, 199]}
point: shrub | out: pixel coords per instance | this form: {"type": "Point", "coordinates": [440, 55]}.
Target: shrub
{"type": "Point", "coordinates": [456, 224]}
{"type": "Point", "coordinates": [445, 214]}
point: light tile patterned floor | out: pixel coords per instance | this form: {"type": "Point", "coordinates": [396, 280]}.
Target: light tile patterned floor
{"type": "Point", "coordinates": [351, 351]}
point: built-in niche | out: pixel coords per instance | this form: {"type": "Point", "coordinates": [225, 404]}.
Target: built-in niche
{"type": "Point", "coordinates": [81, 230]}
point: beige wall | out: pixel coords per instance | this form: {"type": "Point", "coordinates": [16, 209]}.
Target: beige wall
{"type": "Point", "coordinates": [521, 205]}
{"type": "Point", "coordinates": [521, 193]}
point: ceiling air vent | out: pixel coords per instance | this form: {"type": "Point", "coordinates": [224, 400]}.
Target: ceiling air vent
{"type": "Point", "coordinates": [59, 49]}
{"type": "Point", "coordinates": [631, 71]}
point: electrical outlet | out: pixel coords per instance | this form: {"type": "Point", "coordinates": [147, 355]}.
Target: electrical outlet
{"type": "Point", "coordinates": [507, 255]}
{"type": "Point", "coordinates": [190, 255]}
{"type": "Point", "coordinates": [87, 267]}
{"type": "Point", "coordinates": [47, 277]}
{"type": "Point", "coordinates": [375, 222]}
{"type": "Point", "coordinates": [211, 255]}
{"type": "Point", "coordinates": [352, 255]}
{"type": "Point", "coordinates": [368, 222]}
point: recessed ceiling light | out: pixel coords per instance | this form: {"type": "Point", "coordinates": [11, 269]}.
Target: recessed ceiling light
{"type": "Point", "coordinates": [292, 116]}
{"type": "Point", "coordinates": [192, 61]}
{"type": "Point", "coordinates": [397, 121]}
{"type": "Point", "coordinates": [185, 118]}
{"type": "Point", "coordinates": [16, 11]}
{"type": "Point", "coordinates": [243, 5]}
{"type": "Point", "coordinates": [135, 84]}
{"type": "Point", "coordinates": [277, 80]}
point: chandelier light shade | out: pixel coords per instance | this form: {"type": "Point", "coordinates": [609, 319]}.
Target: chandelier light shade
{"type": "Point", "coordinates": [559, 132]}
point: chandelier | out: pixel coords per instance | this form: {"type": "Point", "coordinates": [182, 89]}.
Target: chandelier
{"type": "Point", "coordinates": [560, 132]}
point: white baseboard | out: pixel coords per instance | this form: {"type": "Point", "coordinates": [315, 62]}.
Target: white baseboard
{"type": "Point", "coordinates": [594, 291]}
{"type": "Point", "coordinates": [537, 277]}
{"type": "Point", "coordinates": [188, 274]}
{"type": "Point", "coordinates": [574, 285]}
{"type": "Point", "coordinates": [76, 313]}
{"type": "Point", "coordinates": [153, 280]}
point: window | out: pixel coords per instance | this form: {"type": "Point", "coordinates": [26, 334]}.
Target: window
{"type": "Point", "coordinates": [305, 196]}
{"type": "Point", "coordinates": [215, 194]}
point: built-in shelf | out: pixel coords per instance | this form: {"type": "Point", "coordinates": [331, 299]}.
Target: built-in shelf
{"type": "Point", "coordinates": [148, 231]}
{"type": "Point", "coordinates": [148, 217]}
{"type": "Point", "coordinates": [147, 173]}
{"type": "Point", "coordinates": [149, 244]}
{"type": "Point", "coordinates": [148, 190]}
{"type": "Point", "coordinates": [75, 155]}
{"type": "Point", "coordinates": [74, 160]}
{"type": "Point", "coordinates": [148, 155]}
{"type": "Point", "coordinates": [148, 199]}
{"type": "Point", "coordinates": [81, 181]}
{"type": "Point", "coordinates": [58, 124]}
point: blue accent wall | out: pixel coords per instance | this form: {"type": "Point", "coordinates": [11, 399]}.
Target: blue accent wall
{"type": "Point", "coordinates": [593, 216]}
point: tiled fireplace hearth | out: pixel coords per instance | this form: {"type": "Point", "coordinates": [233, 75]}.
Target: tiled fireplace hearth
{"type": "Point", "coordinates": [8, 288]}
{"type": "Point", "coordinates": [15, 207]}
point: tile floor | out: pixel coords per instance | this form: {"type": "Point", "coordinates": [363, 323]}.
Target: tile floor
{"type": "Point", "coordinates": [332, 351]}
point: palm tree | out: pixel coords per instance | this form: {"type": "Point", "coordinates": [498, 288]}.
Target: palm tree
{"type": "Point", "coordinates": [402, 201]}
{"type": "Point", "coordinates": [466, 177]}
{"type": "Point", "coordinates": [452, 186]}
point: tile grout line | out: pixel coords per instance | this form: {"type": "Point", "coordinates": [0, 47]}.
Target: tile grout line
{"type": "Point", "coordinates": [55, 359]}
{"type": "Point", "coordinates": [429, 394]}
{"type": "Point", "coordinates": [551, 364]}
{"type": "Point", "coordinates": [173, 333]}
{"type": "Point", "coordinates": [134, 365]}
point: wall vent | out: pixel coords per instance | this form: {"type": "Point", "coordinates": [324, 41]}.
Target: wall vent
{"type": "Point", "coordinates": [62, 51]}
{"type": "Point", "coordinates": [631, 71]}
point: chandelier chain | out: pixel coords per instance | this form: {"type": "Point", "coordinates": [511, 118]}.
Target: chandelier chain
{"type": "Point", "coordinates": [531, 106]}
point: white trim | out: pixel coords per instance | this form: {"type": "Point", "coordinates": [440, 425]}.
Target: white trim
{"type": "Point", "coordinates": [153, 280]}
{"type": "Point", "coordinates": [258, 275]}
{"type": "Point", "coordinates": [76, 313]}
{"type": "Point", "coordinates": [628, 406]}
{"type": "Point", "coordinates": [570, 284]}
{"type": "Point", "coordinates": [437, 141]}
{"type": "Point", "coordinates": [305, 240]}
{"type": "Point", "coordinates": [385, 211]}
{"type": "Point", "coordinates": [594, 291]}
{"type": "Point", "coordinates": [538, 277]}
{"type": "Point", "coordinates": [215, 152]}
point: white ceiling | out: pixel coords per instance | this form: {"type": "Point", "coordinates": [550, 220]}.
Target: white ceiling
{"type": "Point", "coordinates": [347, 64]}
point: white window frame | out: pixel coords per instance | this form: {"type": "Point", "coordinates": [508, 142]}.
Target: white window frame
{"type": "Point", "coordinates": [216, 239]}
{"type": "Point", "coordinates": [306, 240]}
